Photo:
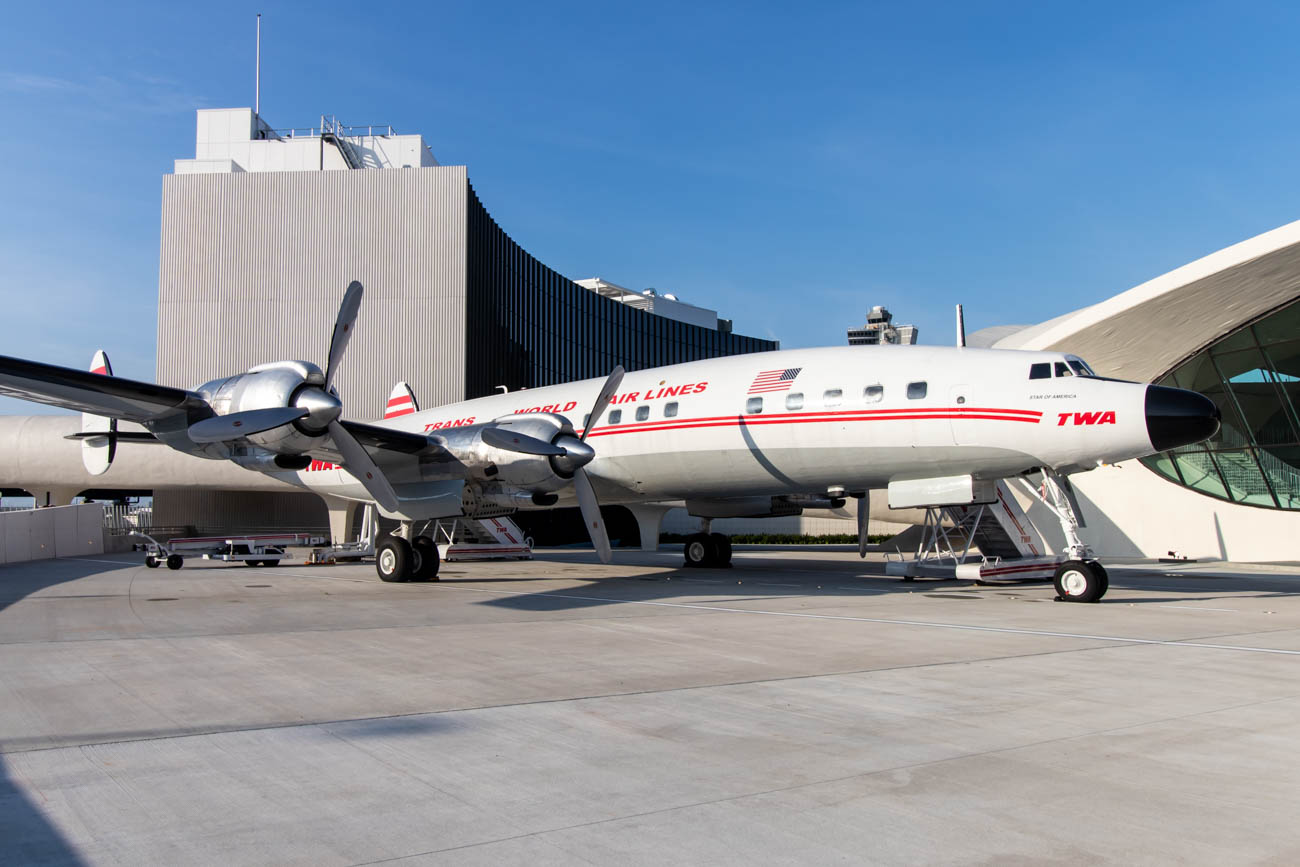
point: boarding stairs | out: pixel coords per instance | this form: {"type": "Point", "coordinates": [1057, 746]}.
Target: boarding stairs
{"type": "Point", "coordinates": [482, 539]}
{"type": "Point", "coordinates": [1009, 546]}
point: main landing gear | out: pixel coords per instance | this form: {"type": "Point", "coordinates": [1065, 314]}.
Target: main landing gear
{"type": "Point", "coordinates": [396, 559]}
{"type": "Point", "coordinates": [709, 550]}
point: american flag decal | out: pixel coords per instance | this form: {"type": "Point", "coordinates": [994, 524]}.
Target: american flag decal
{"type": "Point", "coordinates": [774, 380]}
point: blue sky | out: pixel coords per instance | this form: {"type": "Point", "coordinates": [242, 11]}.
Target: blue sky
{"type": "Point", "coordinates": [787, 165]}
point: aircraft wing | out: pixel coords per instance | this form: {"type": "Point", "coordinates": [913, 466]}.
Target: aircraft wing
{"type": "Point", "coordinates": [95, 393]}
{"type": "Point", "coordinates": [373, 437]}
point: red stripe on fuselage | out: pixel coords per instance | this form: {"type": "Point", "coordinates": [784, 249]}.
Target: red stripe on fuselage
{"type": "Point", "coordinates": [980, 413]}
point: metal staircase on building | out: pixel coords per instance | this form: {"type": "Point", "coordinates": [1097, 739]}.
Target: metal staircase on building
{"type": "Point", "coordinates": [332, 132]}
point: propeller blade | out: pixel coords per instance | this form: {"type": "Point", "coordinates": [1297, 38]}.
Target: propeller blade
{"type": "Point", "coordinates": [357, 461]}
{"type": "Point", "coordinates": [223, 428]}
{"type": "Point", "coordinates": [517, 442]}
{"type": "Point", "coordinates": [864, 515]}
{"type": "Point", "coordinates": [343, 330]}
{"type": "Point", "coordinates": [591, 514]}
{"type": "Point", "coordinates": [612, 382]}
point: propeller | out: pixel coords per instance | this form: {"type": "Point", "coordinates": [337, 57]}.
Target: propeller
{"type": "Point", "coordinates": [222, 428]}
{"type": "Point", "coordinates": [569, 455]}
{"type": "Point", "coordinates": [591, 515]}
{"type": "Point", "coordinates": [864, 515]}
{"type": "Point", "coordinates": [347, 318]}
{"type": "Point", "coordinates": [506, 440]}
{"type": "Point", "coordinates": [587, 501]}
{"type": "Point", "coordinates": [358, 462]}
{"type": "Point", "coordinates": [612, 382]}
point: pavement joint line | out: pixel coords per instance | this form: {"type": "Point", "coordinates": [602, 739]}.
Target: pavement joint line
{"type": "Point", "coordinates": [1197, 608]}
{"type": "Point", "coordinates": [927, 624]}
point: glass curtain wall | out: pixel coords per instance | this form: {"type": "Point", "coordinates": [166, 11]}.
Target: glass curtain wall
{"type": "Point", "coordinates": [528, 326]}
{"type": "Point", "coordinates": [1253, 375]}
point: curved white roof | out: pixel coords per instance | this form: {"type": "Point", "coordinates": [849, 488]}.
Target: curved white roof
{"type": "Point", "coordinates": [1144, 332]}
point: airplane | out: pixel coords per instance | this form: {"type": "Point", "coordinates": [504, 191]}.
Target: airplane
{"type": "Point", "coordinates": [745, 435]}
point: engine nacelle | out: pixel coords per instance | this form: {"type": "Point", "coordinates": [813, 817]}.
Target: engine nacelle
{"type": "Point", "coordinates": [279, 383]}
{"type": "Point", "coordinates": [516, 470]}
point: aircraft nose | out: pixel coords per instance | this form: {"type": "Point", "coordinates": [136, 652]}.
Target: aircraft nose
{"type": "Point", "coordinates": [1177, 417]}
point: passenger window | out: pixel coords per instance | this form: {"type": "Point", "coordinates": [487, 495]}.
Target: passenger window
{"type": "Point", "coordinates": [833, 396]}
{"type": "Point", "coordinates": [670, 410]}
{"type": "Point", "coordinates": [754, 405]}
{"type": "Point", "coordinates": [642, 413]}
{"type": "Point", "coordinates": [615, 416]}
{"type": "Point", "coordinates": [1063, 369]}
{"type": "Point", "coordinates": [873, 393]}
{"type": "Point", "coordinates": [1042, 370]}
{"type": "Point", "coordinates": [794, 401]}
{"type": "Point", "coordinates": [916, 390]}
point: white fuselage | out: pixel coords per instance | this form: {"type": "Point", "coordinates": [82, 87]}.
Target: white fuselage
{"type": "Point", "coordinates": [803, 420]}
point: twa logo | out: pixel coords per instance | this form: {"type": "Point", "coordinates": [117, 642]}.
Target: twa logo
{"type": "Point", "coordinates": [317, 466]}
{"type": "Point", "coordinates": [1085, 418]}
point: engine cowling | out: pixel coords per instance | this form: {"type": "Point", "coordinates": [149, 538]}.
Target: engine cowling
{"type": "Point", "coordinates": [278, 384]}
{"type": "Point", "coordinates": [519, 470]}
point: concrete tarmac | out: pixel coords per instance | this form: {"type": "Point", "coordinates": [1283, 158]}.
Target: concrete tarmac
{"type": "Point", "coordinates": [799, 708]}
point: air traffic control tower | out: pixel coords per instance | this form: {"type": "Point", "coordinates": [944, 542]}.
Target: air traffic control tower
{"type": "Point", "coordinates": [263, 229]}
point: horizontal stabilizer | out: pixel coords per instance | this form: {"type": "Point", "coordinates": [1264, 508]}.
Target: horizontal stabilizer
{"type": "Point", "coordinates": [122, 436]}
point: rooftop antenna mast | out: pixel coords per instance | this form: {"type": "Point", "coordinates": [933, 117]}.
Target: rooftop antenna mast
{"type": "Point", "coordinates": [257, 76]}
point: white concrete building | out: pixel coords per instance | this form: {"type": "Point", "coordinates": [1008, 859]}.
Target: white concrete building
{"type": "Point", "coordinates": [1228, 326]}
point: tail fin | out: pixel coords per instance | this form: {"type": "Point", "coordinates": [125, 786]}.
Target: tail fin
{"type": "Point", "coordinates": [401, 401]}
{"type": "Point", "coordinates": [97, 451]}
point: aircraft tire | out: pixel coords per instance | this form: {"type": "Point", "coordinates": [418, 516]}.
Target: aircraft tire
{"type": "Point", "coordinates": [151, 561]}
{"type": "Point", "coordinates": [427, 570]}
{"type": "Point", "coordinates": [393, 559]}
{"type": "Point", "coordinates": [700, 550]}
{"type": "Point", "coordinates": [1102, 575]}
{"type": "Point", "coordinates": [253, 563]}
{"type": "Point", "coordinates": [1075, 581]}
{"type": "Point", "coordinates": [175, 561]}
{"type": "Point", "coordinates": [722, 548]}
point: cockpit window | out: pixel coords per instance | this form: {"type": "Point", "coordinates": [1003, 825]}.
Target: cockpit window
{"type": "Point", "coordinates": [1080, 368]}
{"type": "Point", "coordinates": [1042, 370]}
{"type": "Point", "coordinates": [1063, 369]}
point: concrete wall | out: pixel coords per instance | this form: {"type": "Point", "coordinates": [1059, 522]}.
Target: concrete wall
{"type": "Point", "coordinates": [42, 534]}
{"type": "Point", "coordinates": [253, 266]}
